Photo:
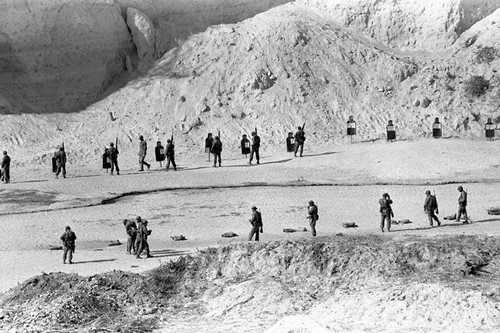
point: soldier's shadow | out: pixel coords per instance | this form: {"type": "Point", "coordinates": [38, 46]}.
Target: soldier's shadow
{"type": "Point", "coordinates": [320, 154]}
{"type": "Point", "coordinates": [93, 261]}
{"type": "Point", "coordinates": [168, 253]}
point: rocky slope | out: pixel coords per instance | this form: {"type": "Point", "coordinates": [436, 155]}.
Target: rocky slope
{"type": "Point", "coordinates": [277, 70]}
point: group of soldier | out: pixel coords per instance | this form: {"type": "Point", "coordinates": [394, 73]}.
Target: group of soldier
{"type": "Point", "coordinates": [430, 209]}
{"type": "Point", "coordinates": [137, 241]}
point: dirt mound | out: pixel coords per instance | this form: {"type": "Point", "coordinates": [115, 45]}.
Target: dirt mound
{"type": "Point", "coordinates": [402, 279]}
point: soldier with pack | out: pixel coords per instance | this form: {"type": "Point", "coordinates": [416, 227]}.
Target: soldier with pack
{"type": "Point", "coordinates": [431, 206]}
{"type": "Point", "coordinates": [60, 158]}
{"type": "Point", "coordinates": [386, 212]}
{"type": "Point", "coordinates": [143, 149]}
{"type": "Point", "coordinates": [113, 158]}
{"type": "Point", "coordinates": [131, 230]}
{"type": "Point", "coordinates": [142, 238]}
{"type": "Point", "coordinates": [170, 153]}
{"type": "Point", "coordinates": [216, 150]}
{"type": "Point", "coordinates": [68, 238]}
{"type": "Point", "coordinates": [312, 215]}
{"type": "Point", "coordinates": [255, 148]}
{"type": "Point", "coordinates": [299, 141]}
{"type": "Point", "coordinates": [257, 226]}
{"type": "Point", "coordinates": [462, 205]}
{"type": "Point", "coordinates": [5, 168]}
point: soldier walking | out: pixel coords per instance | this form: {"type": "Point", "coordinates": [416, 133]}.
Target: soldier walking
{"type": "Point", "coordinates": [216, 150]}
{"type": "Point", "coordinates": [68, 238]}
{"type": "Point", "coordinates": [60, 157]}
{"type": "Point", "coordinates": [143, 149]}
{"type": "Point", "coordinates": [5, 168]}
{"type": "Point", "coordinates": [142, 236]}
{"type": "Point", "coordinates": [385, 211]}
{"type": "Point", "coordinates": [113, 157]}
{"type": "Point", "coordinates": [462, 204]}
{"type": "Point", "coordinates": [131, 229]}
{"type": "Point", "coordinates": [431, 205]}
{"type": "Point", "coordinates": [257, 226]}
{"type": "Point", "coordinates": [255, 148]}
{"type": "Point", "coordinates": [299, 141]}
{"type": "Point", "coordinates": [312, 211]}
{"type": "Point", "coordinates": [170, 154]}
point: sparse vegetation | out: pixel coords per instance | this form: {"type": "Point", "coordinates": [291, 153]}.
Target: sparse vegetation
{"type": "Point", "coordinates": [476, 86]}
{"type": "Point", "coordinates": [486, 54]}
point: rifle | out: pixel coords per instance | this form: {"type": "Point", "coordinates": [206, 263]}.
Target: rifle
{"type": "Point", "coordinates": [304, 126]}
{"type": "Point", "coordinates": [63, 146]}
{"type": "Point", "coordinates": [172, 136]}
{"type": "Point", "coordinates": [116, 143]}
{"type": "Point", "coordinates": [218, 134]}
{"type": "Point", "coordinates": [255, 129]}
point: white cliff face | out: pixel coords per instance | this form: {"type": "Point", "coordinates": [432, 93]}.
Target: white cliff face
{"type": "Point", "coordinates": [59, 55]}
{"type": "Point", "coordinates": [145, 36]}
{"type": "Point", "coordinates": [428, 25]}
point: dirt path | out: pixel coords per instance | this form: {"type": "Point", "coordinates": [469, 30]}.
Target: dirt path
{"type": "Point", "coordinates": [202, 215]}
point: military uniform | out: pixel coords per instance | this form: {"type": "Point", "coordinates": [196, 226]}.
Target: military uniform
{"type": "Point", "coordinates": [68, 239]}
{"type": "Point", "coordinates": [385, 211]}
{"type": "Point", "coordinates": [142, 237]}
{"type": "Point", "coordinates": [113, 157]}
{"type": "Point", "coordinates": [143, 149]}
{"type": "Point", "coordinates": [131, 229]}
{"type": "Point", "coordinates": [5, 168]}
{"type": "Point", "coordinates": [170, 155]}
{"type": "Point", "coordinates": [313, 216]}
{"type": "Point", "coordinates": [431, 205]}
{"type": "Point", "coordinates": [217, 150]}
{"type": "Point", "coordinates": [255, 148]}
{"type": "Point", "coordinates": [256, 222]}
{"type": "Point", "coordinates": [299, 141]}
{"type": "Point", "coordinates": [60, 157]}
{"type": "Point", "coordinates": [462, 204]}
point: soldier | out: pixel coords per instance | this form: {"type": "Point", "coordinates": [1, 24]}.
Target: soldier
{"type": "Point", "coordinates": [385, 211]}
{"type": "Point", "coordinates": [313, 216]}
{"type": "Point", "coordinates": [68, 238]}
{"type": "Point", "coordinates": [170, 154]}
{"type": "Point", "coordinates": [209, 141]}
{"type": "Point", "coordinates": [60, 157]}
{"type": "Point", "coordinates": [216, 150]}
{"type": "Point", "coordinates": [299, 141]}
{"type": "Point", "coordinates": [431, 205]}
{"type": "Point", "coordinates": [113, 157]}
{"type": "Point", "coordinates": [256, 222]}
{"type": "Point", "coordinates": [462, 204]}
{"type": "Point", "coordinates": [143, 149]}
{"type": "Point", "coordinates": [142, 236]}
{"type": "Point", "coordinates": [131, 229]}
{"type": "Point", "coordinates": [5, 168]}
{"type": "Point", "coordinates": [255, 148]}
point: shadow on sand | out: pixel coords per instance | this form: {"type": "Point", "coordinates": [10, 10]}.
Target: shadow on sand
{"type": "Point", "coordinates": [92, 261]}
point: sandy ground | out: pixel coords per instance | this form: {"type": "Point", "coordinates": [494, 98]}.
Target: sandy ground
{"type": "Point", "coordinates": [202, 202]}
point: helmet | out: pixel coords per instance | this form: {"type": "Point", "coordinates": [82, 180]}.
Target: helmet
{"type": "Point", "coordinates": [427, 192]}
{"type": "Point", "coordinates": [138, 218]}
{"type": "Point", "coordinates": [385, 194]}
{"type": "Point", "coordinates": [111, 144]}
{"type": "Point", "coordinates": [311, 202]}
{"type": "Point", "coordinates": [254, 208]}
{"type": "Point", "coordinates": [460, 188]}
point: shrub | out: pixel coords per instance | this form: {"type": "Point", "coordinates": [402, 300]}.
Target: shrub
{"type": "Point", "coordinates": [476, 86]}
{"type": "Point", "coordinates": [486, 54]}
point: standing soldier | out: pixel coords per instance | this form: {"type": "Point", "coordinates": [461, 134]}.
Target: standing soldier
{"type": "Point", "coordinates": [6, 168]}
{"type": "Point", "coordinates": [142, 235]}
{"type": "Point", "coordinates": [216, 150]}
{"type": "Point", "coordinates": [312, 211]}
{"type": "Point", "coordinates": [255, 148]}
{"type": "Point", "coordinates": [60, 157]}
{"type": "Point", "coordinates": [385, 211]}
{"type": "Point", "coordinates": [131, 229]}
{"type": "Point", "coordinates": [68, 239]}
{"type": "Point", "coordinates": [256, 222]}
{"type": "Point", "coordinates": [299, 141]}
{"type": "Point", "coordinates": [462, 204]}
{"type": "Point", "coordinates": [431, 205]}
{"type": "Point", "coordinates": [113, 157]}
{"type": "Point", "coordinates": [143, 149]}
{"type": "Point", "coordinates": [170, 154]}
